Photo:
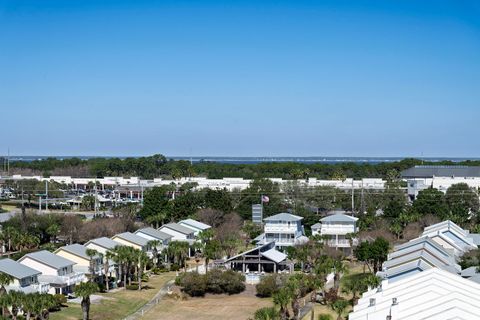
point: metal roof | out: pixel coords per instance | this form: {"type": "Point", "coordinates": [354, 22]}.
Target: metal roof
{"type": "Point", "coordinates": [154, 233]}
{"type": "Point", "coordinates": [47, 258]}
{"type": "Point", "coordinates": [283, 217]}
{"type": "Point", "coordinates": [17, 270]}
{"type": "Point", "coordinates": [274, 255]}
{"type": "Point", "coordinates": [177, 227]}
{"type": "Point", "coordinates": [339, 217]}
{"type": "Point", "coordinates": [196, 224]}
{"type": "Point", "coordinates": [76, 249]}
{"type": "Point", "coordinates": [132, 238]}
{"type": "Point", "coordinates": [441, 171]}
{"type": "Point", "coordinates": [104, 242]}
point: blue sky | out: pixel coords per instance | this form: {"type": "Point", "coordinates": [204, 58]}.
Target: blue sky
{"type": "Point", "coordinates": [240, 78]}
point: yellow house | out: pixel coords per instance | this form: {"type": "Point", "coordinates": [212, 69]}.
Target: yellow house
{"type": "Point", "coordinates": [78, 254]}
{"type": "Point", "coordinates": [132, 240]}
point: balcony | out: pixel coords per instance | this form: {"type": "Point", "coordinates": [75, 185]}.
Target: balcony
{"type": "Point", "coordinates": [66, 280]}
{"type": "Point", "coordinates": [280, 228]}
{"type": "Point", "coordinates": [41, 287]}
{"type": "Point", "coordinates": [337, 230]}
{"type": "Point", "coordinates": [341, 243]}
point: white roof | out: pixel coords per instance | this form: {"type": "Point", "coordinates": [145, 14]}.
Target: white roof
{"type": "Point", "coordinates": [274, 255]}
{"type": "Point", "coordinates": [283, 217]}
{"type": "Point", "coordinates": [339, 217]}
{"type": "Point", "coordinates": [433, 294]}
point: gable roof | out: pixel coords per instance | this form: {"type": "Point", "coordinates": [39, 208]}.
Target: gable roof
{"type": "Point", "coordinates": [76, 249]}
{"type": "Point", "coordinates": [17, 270]}
{"type": "Point", "coordinates": [339, 217]}
{"type": "Point", "coordinates": [132, 238]}
{"type": "Point", "coordinates": [432, 294]}
{"type": "Point", "coordinates": [262, 248]}
{"type": "Point", "coordinates": [47, 258]}
{"type": "Point", "coordinates": [177, 227]}
{"type": "Point", "coordinates": [154, 233]}
{"type": "Point", "coordinates": [196, 224]}
{"type": "Point", "coordinates": [283, 217]}
{"type": "Point", "coordinates": [317, 225]}
{"type": "Point", "coordinates": [104, 242]}
{"type": "Point", "coordinates": [274, 255]}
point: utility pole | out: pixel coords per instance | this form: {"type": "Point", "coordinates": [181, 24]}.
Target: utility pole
{"type": "Point", "coordinates": [46, 196]}
{"type": "Point", "coordinates": [362, 205]}
{"type": "Point", "coordinates": [96, 194]}
{"type": "Point", "coordinates": [353, 198]}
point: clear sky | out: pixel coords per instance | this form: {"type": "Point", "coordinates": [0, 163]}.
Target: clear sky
{"type": "Point", "coordinates": [240, 78]}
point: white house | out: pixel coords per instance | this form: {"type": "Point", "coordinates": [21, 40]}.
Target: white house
{"type": "Point", "coordinates": [55, 270]}
{"type": "Point", "coordinates": [152, 234]}
{"type": "Point", "coordinates": [285, 229]}
{"type": "Point", "coordinates": [78, 254]}
{"type": "Point", "coordinates": [25, 279]}
{"type": "Point", "coordinates": [433, 294]}
{"type": "Point", "coordinates": [195, 225]}
{"type": "Point", "coordinates": [335, 228]}
{"type": "Point", "coordinates": [178, 232]}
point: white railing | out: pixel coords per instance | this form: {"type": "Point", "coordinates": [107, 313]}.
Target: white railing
{"type": "Point", "coordinates": [341, 243]}
{"type": "Point", "coordinates": [41, 287]}
{"type": "Point", "coordinates": [280, 228]}
{"type": "Point", "coordinates": [73, 278]}
{"type": "Point", "coordinates": [337, 230]}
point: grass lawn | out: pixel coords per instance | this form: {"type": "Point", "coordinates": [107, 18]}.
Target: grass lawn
{"type": "Point", "coordinates": [211, 307]}
{"type": "Point", "coordinates": [116, 305]}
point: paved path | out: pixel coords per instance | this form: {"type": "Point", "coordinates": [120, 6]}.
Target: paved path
{"type": "Point", "coordinates": [150, 304]}
{"type": "Point", "coordinates": [305, 310]}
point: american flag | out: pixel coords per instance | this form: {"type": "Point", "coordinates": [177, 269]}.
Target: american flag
{"type": "Point", "coordinates": [265, 199]}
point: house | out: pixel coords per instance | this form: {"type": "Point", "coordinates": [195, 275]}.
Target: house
{"type": "Point", "coordinates": [195, 225]}
{"type": "Point", "coordinates": [432, 294]}
{"type": "Point", "coordinates": [263, 258]}
{"type": "Point", "coordinates": [102, 244]}
{"type": "Point", "coordinates": [132, 240]}
{"type": "Point", "coordinates": [55, 270]}
{"type": "Point", "coordinates": [152, 234]}
{"type": "Point", "coordinates": [335, 229]}
{"type": "Point", "coordinates": [78, 254]}
{"type": "Point", "coordinates": [25, 279]}
{"type": "Point", "coordinates": [178, 232]}
{"type": "Point", "coordinates": [285, 229]}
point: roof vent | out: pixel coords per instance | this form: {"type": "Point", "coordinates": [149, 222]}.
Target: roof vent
{"type": "Point", "coordinates": [372, 302]}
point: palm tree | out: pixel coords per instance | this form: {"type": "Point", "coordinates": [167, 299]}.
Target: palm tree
{"type": "Point", "coordinates": [338, 269]}
{"type": "Point", "coordinates": [16, 301]}
{"type": "Point", "coordinates": [85, 290]}
{"type": "Point", "coordinates": [106, 267]}
{"type": "Point", "coordinates": [142, 260]}
{"type": "Point", "coordinates": [5, 280]}
{"type": "Point", "coordinates": [353, 286]}
{"type": "Point", "coordinates": [266, 313]}
{"type": "Point", "coordinates": [178, 251]}
{"type": "Point", "coordinates": [91, 253]}
{"type": "Point", "coordinates": [282, 298]}
{"type": "Point", "coordinates": [154, 244]}
{"type": "Point", "coordinates": [28, 305]}
{"type": "Point", "coordinates": [339, 306]}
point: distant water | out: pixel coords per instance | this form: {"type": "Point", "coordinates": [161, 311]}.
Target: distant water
{"type": "Point", "coordinates": [254, 160]}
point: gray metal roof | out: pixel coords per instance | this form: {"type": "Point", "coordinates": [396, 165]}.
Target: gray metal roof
{"type": "Point", "coordinates": [196, 224]}
{"type": "Point", "coordinates": [469, 272]}
{"type": "Point", "coordinates": [476, 238]}
{"type": "Point", "coordinates": [283, 217]}
{"type": "Point", "coordinates": [154, 233]}
{"type": "Point", "coordinates": [177, 227]}
{"type": "Point", "coordinates": [133, 238]}
{"type": "Point", "coordinates": [49, 259]}
{"type": "Point", "coordinates": [104, 242]}
{"type": "Point", "coordinates": [316, 226]}
{"type": "Point", "coordinates": [76, 249]}
{"type": "Point", "coordinates": [17, 270]}
{"type": "Point", "coordinates": [339, 217]}
{"type": "Point", "coordinates": [441, 171]}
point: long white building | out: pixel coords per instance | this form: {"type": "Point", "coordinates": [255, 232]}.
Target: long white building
{"type": "Point", "coordinates": [434, 294]}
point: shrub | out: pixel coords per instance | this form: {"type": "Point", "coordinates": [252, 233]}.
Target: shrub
{"type": "Point", "coordinates": [60, 300]}
{"type": "Point", "coordinates": [232, 282]}
{"type": "Point", "coordinates": [325, 316]}
{"type": "Point", "coordinates": [131, 287]}
{"type": "Point", "coordinates": [194, 284]}
{"type": "Point", "coordinates": [174, 267]}
{"type": "Point", "coordinates": [269, 285]}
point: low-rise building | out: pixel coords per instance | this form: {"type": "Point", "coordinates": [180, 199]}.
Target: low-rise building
{"type": "Point", "coordinates": [152, 234]}
{"type": "Point", "coordinates": [55, 270]}
{"type": "Point", "coordinates": [285, 229]}
{"type": "Point", "coordinates": [25, 279]}
{"type": "Point", "coordinates": [178, 232]}
{"type": "Point", "coordinates": [195, 225]}
{"type": "Point", "coordinates": [102, 244]}
{"type": "Point", "coordinates": [132, 240]}
{"type": "Point", "coordinates": [335, 228]}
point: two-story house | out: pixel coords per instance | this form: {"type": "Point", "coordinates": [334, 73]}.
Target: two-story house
{"type": "Point", "coordinates": [152, 234]}
{"type": "Point", "coordinates": [285, 229]}
{"type": "Point", "coordinates": [83, 262]}
{"type": "Point", "coordinates": [102, 244]}
{"type": "Point", "coordinates": [132, 240]}
{"type": "Point", "coordinates": [25, 279]}
{"type": "Point", "coordinates": [178, 232]}
{"type": "Point", "coordinates": [55, 270]}
{"type": "Point", "coordinates": [335, 228]}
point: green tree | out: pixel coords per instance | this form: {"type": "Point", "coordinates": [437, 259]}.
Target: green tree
{"type": "Point", "coordinates": [282, 298]}
{"type": "Point", "coordinates": [92, 254]}
{"type": "Point", "coordinates": [462, 202]}
{"type": "Point", "coordinates": [266, 313]}
{"type": "Point", "coordinates": [85, 290]}
{"type": "Point", "coordinates": [218, 200]}
{"type": "Point", "coordinates": [430, 201]}
{"type": "Point", "coordinates": [156, 202]}
{"type": "Point", "coordinates": [339, 306]}
{"type": "Point", "coordinates": [5, 280]}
